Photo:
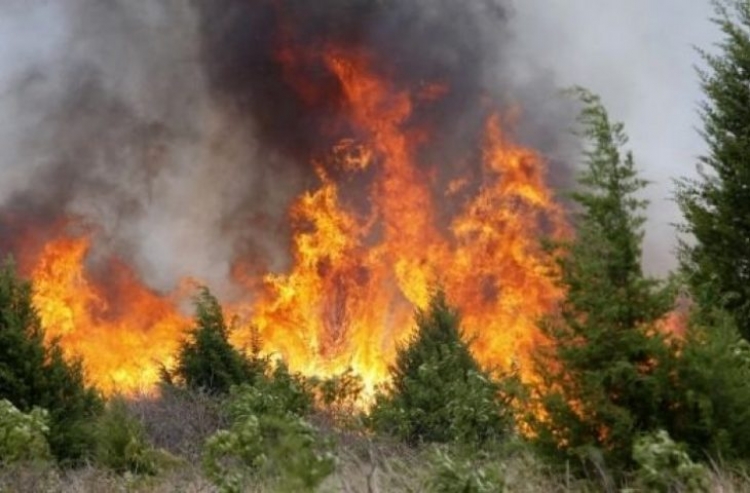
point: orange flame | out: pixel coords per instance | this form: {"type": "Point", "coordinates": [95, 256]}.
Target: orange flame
{"type": "Point", "coordinates": [357, 275]}
{"type": "Point", "coordinates": [348, 301]}
{"type": "Point", "coordinates": [121, 344]}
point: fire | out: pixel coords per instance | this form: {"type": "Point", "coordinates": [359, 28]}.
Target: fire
{"type": "Point", "coordinates": [369, 244]}
{"type": "Point", "coordinates": [357, 276]}
{"type": "Point", "coordinates": [122, 335]}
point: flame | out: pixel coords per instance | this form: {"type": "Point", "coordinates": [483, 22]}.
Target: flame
{"type": "Point", "coordinates": [358, 271]}
{"type": "Point", "coordinates": [122, 335]}
{"type": "Point", "coordinates": [349, 299]}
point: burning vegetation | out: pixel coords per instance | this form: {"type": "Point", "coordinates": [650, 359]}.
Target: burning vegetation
{"type": "Point", "coordinates": [411, 179]}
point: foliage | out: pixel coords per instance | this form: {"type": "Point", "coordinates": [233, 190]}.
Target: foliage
{"type": "Point", "coordinates": [292, 391]}
{"type": "Point", "coordinates": [281, 394]}
{"type": "Point", "coordinates": [717, 206]}
{"type": "Point", "coordinates": [665, 466]}
{"type": "Point", "coordinates": [37, 374]}
{"type": "Point", "coordinates": [453, 475]}
{"type": "Point", "coordinates": [121, 443]}
{"type": "Point", "coordinates": [606, 369]}
{"type": "Point", "coordinates": [22, 436]}
{"type": "Point", "coordinates": [267, 440]}
{"type": "Point", "coordinates": [206, 360]}
{"type": "Point", "coordinates": [712, 390]}
{"type": "Point", "coordinates": [341, 391]}
{"type": "Point", "coordinates": [439, 393]}
{"type": "Point", "coordinates": [339, 399]}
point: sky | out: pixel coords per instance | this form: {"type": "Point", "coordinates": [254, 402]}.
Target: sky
{"type": "Point", "coordinates": [638, 55]}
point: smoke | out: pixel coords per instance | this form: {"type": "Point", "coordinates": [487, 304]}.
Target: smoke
{"type": "Point", "coordinates": [462, 45]}
{"type": "Point", "coordinates": [172, 132]}
{"type": "Point", "coordinates": [640, 57]}
{"type": "Point", "coordinates": [119, 130]}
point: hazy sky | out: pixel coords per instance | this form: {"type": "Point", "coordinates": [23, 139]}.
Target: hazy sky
{"type": "Point", "coordinates": [637, 54]}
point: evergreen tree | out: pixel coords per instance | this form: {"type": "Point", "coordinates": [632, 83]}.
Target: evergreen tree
{"type": "Point", "coordinates": [717, 206]}
{"type": "Point", "coordinates": [712, 389]}
{"type": "Point", "coordinates": [35, 374]}
{"type": "Point", "coordinates": [206, 360]}
{"type": "Point", "coordinates": [605, 371]}
{"type": "Point", "coordinates": [438, 391]}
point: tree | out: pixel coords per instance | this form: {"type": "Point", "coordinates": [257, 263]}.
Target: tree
{"type": "Point", "coordinates": [438, 391]}
{"type": "Point", "coordinates": [605, 372]}
{"type": "Point", "coordinates": [206, 360]}
{"type": "Point", "coordinates": [712, 389]}
{"type": "Point", "coordinates": [37, 374]}
{"type": "Point", "coordinates": [717, 205]}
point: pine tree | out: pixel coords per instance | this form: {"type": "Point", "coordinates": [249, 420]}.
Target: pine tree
{"type": "Point", "coordinates": [717, 206]}
{"type": "Point", "coordinates": [712, 389]}
{"type": "Point", "coordinates": [605, 369]}
{"type": "Point", "coordinates": [37, 374]}
{"type": "Point", "coordinates": [206, 359]}
{"type": "Point", "coordinates": [438, 392]}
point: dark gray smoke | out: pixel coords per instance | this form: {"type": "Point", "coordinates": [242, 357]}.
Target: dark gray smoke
{"type": "Point", "coordinates": [171, 129]}
{"type": "Point", "coordinates": [411, 42]}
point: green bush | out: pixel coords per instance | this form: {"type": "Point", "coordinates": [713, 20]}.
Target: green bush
{"type": "Point", "coordinates": [292, 392]}
{"type": "Point", "coordinates": [23, 437]}
{"type": "Point", "coordinates": [439, 393]}
{"type": "Point", "coordinates": [712, 390]}
{"type": "Point", "coordinates": [267, 441]}
{"type": "Point", "coordinates": [665, 466]}
{"type": "Point", "coordinates": [37, 374]}
{"type": "Point", "coordinates": [340, 392]}
{"type": "Point", "coordinates": [121, 443]}
{"type": "Point", "coordinates": [451, 475]}
{"type": "Point", "coordinates": [206, 360]}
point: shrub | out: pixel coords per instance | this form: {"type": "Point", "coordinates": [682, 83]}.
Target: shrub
{"type": "Point", "coordinates": [712, 389]}
{"type": "Point", "coordinates": [463, 476]}
{"type": "Point", "coordinates": [23, 436]}
{"type": "Point", "coordinates": [439, 393]}
{"type": "Point", "coordinates": [206, 360]}
{"type": "Point", "coordinates": [267, 440]}
{"type": "Point", "coordinates": [340, 392]}
{"type": "Point", "coordinates": [291, 392]}
{"type": "Point", "coordinates": [121, 443]}
{"type": "Point", "coordinates": [665, 466]}
{"type": "Point", "coordinates": [37, 374]}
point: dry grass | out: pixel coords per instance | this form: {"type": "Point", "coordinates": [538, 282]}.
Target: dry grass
{"type": "Point", "coordinates": [368, 468]}
{"type": "Point", "coordinates": [181, 422]}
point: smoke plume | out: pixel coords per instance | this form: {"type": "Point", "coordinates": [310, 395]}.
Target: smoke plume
{"type": "Point", "coordinates": [173, 132]}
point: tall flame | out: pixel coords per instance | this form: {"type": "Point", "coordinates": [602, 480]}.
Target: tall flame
{"type": "Point", "coordinates": [349, 299]}
{"type": "Point", "coordinates": [358, 270]}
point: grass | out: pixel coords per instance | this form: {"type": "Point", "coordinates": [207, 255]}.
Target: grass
{"type": "Point", "coordinates": [372, 469]}
{"type": "Point", "coordinates": [179, 424]}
